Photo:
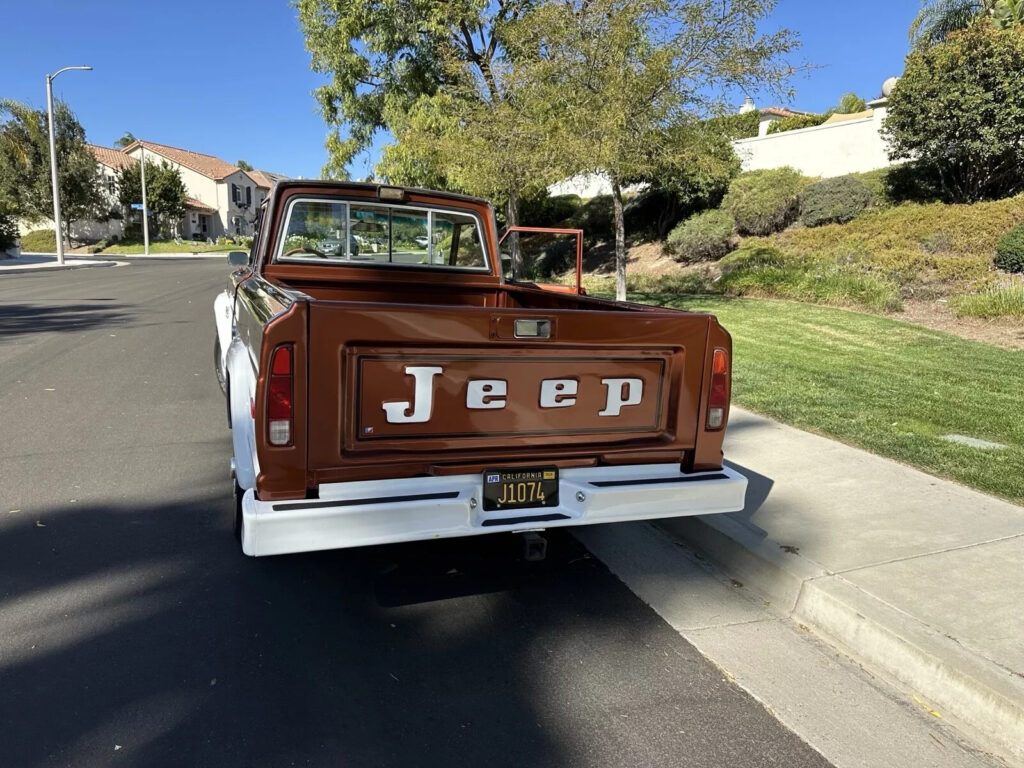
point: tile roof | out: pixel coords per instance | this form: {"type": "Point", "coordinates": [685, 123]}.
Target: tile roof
{"type": "Point", "coordinates": [207, 165]}
{"type": "Point", "coordinates": [198, 205]}
{"type": "Point", "coordinates": [112, 158]}
{"type": "Point", "coordinates": [265, 179]}
{"type": "Point", "coordinates": [780, 112]}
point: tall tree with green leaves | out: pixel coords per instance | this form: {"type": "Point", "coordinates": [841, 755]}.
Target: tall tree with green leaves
{"type": "Point", "coordinates": [850, 104]}
{"type": "Point", "coordinates": [125, 140]}
{"type": "Point", "coordinates": [938, 19]}
{"type": "Point", "coordinates": [25, 184]}
{"type": "Point", "coordinates": [165, 193]}
{"type": "Point", "coordinates": [958, 113]}
{"type": "Point", "coordinates": [385, 56]}
{"type": "Point", "coordinates": [631, 80]}
{"type": "Point", "coordinates": [244, 165]}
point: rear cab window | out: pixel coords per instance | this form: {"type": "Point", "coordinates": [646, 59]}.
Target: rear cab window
{"type": "Point", "coordinates": [331, 231]}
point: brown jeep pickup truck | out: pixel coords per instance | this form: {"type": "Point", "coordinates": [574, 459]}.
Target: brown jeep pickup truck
{"type": "Point", "coordinates": [386, 382]}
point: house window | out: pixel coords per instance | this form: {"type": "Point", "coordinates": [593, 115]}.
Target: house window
{"type": "Point", "coordinates": [111, 185]}
{"type": "Point", "coordinates": [248, 196]}
{"type": "Point", "coordinates": [234, 194]}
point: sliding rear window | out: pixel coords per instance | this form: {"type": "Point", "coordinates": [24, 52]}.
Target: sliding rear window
{"type": "Point", "coordinates": [321, 231]}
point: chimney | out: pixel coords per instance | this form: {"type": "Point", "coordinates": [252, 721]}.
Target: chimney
{"type": "Point", "coordinates": [747, 106]}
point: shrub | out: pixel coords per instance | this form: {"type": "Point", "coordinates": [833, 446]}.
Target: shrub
{"type": "Point", "coordinates": [795, 123]}
{"type": "Point", "coordinates": [544, 210]}
{"type": "Point", "coordinates": [833, 201]}
{"type": "Point", "coordinates": [39, 241]}
{"type": "Point", "coordinates": [98, 247]}
{"type": "Point", "coordinates": [8, 233]}
{"type": "Point", "coordinates": [762, 202]}
{"type": "Point", "coordinates": [1010, 251]}
{"type": "Point", "coordinates": [594, 217]}
{"type": "Point", "coordinates": [740, 126]}
{"type": "Point", "coordinates": [958, 107]}
{"type": "Point", "coordinates": [704, 237]}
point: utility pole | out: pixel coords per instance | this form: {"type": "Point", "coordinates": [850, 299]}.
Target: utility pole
{"type": "Point", "coordinates": [57, 225]}
{"type": "Point", "coordinates": [145, 210]}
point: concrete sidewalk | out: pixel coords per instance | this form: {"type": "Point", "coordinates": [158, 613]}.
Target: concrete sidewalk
{"type": "Point", "coordinates": [41, 262]}
{"type": "Point", "coordinates": [917, 578]}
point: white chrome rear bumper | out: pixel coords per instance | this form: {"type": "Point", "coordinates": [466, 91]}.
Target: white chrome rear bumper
{"type": "Point", "coordinates": [413, 509]}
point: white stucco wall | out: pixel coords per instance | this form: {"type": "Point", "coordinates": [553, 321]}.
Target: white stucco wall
{"type": "Point", "coordinates": [851, 146]}
{"type": "Point", "coordinates": [588, 185]}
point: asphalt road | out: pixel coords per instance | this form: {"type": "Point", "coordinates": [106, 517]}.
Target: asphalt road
{"type": "Point", "coordinates": [134, 632]}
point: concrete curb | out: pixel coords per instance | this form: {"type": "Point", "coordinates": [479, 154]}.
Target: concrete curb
{"type": "Point", "coordinates": [55, 268]}
{"type": "Point", "coordinates": [985, 699]}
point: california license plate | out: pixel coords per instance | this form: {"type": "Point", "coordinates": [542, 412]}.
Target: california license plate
{"type": "Point", "coordinates": [520, 488]}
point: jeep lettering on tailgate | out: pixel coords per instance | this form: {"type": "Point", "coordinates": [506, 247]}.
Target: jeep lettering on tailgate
{"type": "Point", "coordinates": [536, 395]}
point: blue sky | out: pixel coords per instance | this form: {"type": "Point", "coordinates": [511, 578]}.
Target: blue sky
{"type": "Point", "coordinates": [232, 79]}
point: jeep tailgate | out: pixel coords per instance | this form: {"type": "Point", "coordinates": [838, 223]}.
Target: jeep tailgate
{"type": "Point", "coordinates": [406, 390]}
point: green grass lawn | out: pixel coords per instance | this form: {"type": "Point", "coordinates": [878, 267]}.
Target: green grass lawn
{"type": "Point", "coordinates": [169, 246]}
{"type": "Point", "coordinates": [884, 385]}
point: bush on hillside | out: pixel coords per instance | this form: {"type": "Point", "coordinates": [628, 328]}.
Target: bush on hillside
{"type": "Point", "coordinates": [1010, 251]}
{"type": "Point", "coordinates": [833, 201]}
{"type": "Point", "coordinates": [704, 237]}
{"type": "Point", "coordinates": [8, 233]}
{"type": "Point", "coordinates": [39, 241]}
{"type": "Point", "coordinates": [795, 123]}
{"type": "Point", "coordinates": [594, 217]}
{"type": "Point", "coordinates": [544, 210]}
{"type": "Point", "coordinates": [915, 181]}
{"type": "Point", "coordinates": [762, 202]}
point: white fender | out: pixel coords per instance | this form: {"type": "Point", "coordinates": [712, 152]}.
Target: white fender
{"type": "Point", "coordinates": [241, 392]}
{"type": "Point", "coordinates": [222, 318]}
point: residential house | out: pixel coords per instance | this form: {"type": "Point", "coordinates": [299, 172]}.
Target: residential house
{"type": "Point", "coordinates": [223, 198]}
{"type": "Point", "coordinates": [842, 144]}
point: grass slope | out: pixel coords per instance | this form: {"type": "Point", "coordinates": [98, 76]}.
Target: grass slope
{"type": "Point", "coordinates": [887, 386]}
{"type": "Point", "coordinates": [169, 246]}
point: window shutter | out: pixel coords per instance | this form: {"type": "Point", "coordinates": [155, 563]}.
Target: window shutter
{"type": "Point", "coordinates": [248, 195]}
{"type": "Point", "coordinates": [234, 193]}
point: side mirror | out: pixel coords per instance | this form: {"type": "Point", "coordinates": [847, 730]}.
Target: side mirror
{"type": "Point", "coordinates": [238, 258]}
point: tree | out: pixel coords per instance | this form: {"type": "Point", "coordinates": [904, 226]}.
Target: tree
{"type": "Point", "coordinates": [850, 104]}
{"type": "Point", "coordinates": [958, 111]}
{"type": "Point", "coordinates": [165, 193]}
{"type": "Point", "coordinates": [244, 165]}
{"type": "Point", "coordinates": [634, 77]}
{"type": "Point", "coordinates": [938, 19]}
{"type": "Point", "coordinates": [385, 56]}
{"type": "Point", "coordinates": [25, 185]}
{"type": "Point", "coordinates": [127, 139]}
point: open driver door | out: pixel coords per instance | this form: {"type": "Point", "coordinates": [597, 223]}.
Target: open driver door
{"type": "Point", "coordinates": [516, 259]}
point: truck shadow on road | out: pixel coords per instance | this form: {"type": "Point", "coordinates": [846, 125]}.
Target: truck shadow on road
{"type": "Point", "coordinates": [16, 319]}
{"type": "Point", "coordinates": [142, 629]}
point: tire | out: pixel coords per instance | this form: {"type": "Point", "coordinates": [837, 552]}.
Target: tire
{"type": "Point", "coordinates": [216, 364]}
{"type": "Point", "coordinates": [237, 499]}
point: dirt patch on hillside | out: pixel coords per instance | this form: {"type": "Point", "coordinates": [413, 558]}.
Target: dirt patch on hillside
{"type": "Point", "coordinates": [937, 315]}
{"type": "Point", "coordinates": [641, 259]}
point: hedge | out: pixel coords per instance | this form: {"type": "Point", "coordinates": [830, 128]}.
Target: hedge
{"type": "Point", "coordinates": [762, 202]}
{"type": "Point", "coordinates": [1010, 250]}
{"type": "Point", "coordinates": [833, 201]}
{"type": "Point", "coordinates": [706, 236]}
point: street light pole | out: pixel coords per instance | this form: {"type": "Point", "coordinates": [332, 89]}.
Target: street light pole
{"type": "Point", "coordinates": [58, 231]}
{"type": "Point", "coordinates": [145, 210]}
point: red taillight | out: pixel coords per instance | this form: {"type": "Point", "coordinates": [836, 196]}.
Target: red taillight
{"type": "Point", "coordinates": [279, 397]}
{"type": "Point", "coordinates": [718, 399]}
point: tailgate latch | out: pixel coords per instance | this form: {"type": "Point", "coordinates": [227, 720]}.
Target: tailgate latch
{"type": "Point", "coordinates": [532, 329]}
